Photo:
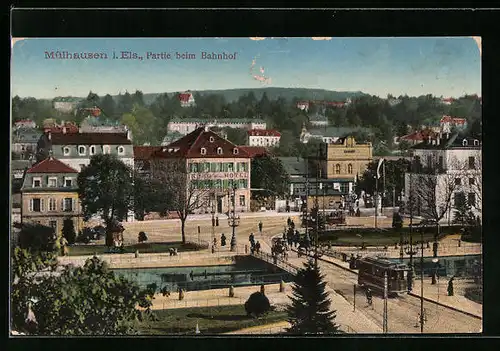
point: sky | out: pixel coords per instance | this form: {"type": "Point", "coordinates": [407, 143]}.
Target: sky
{"type": "Point", "coordinates": [442, 66]}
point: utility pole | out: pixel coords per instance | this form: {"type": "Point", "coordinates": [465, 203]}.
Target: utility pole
{"type": "Point", "coordinates": [383, 193]}
{"type": "Point", "coordinates": [306, 214]}
{"type": "Point", "coordinates": [385, 303]}
{"type": "Point", "coordinates": [421, 280]}
{"type": "Point", "coordinates": [376, 198]}
{"type": "Point", "coordinates": [317, 210]}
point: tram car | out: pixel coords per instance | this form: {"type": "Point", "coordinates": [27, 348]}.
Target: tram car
{"type": "Point", "coordinates": [371, 275]}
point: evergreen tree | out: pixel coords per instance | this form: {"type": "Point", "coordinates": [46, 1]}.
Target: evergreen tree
{"type": "Point", "coordinates": [310, 311]}
{"type": "Point", "coordinates": [68, 231]}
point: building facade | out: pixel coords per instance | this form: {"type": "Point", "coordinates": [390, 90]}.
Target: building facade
{"type": "Point", "coordinates": [448, 123]}
{"type": "Point", "coordinates": [49, 195]}
{"type": "Point", "coordinates": [187, 125]}
{"type": "Point", "coordinates": [76, 149]}
{"type": "Point", "coordinates": [266, 138]}
{"type": "Point", "coordinates": [446, 169]}
{"type": "Point", "coordinates": [94, 124]}
{"type": "Point", "coordinates": [25, 123]}
{"type": "Point", "coordinates": [24, 142]}
{"type": "Point", "coordinates": [214, 172]}
{"type": "Point", "coordinates": [67, 104]}
{"type": "Point", "coordinates": [186, 99]}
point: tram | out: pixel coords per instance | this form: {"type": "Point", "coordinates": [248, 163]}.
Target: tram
{"type": "Point", "coordinates": [371, 275]}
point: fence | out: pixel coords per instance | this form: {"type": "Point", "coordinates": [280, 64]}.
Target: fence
{"type": "Point", "coordinates": [288, 267]}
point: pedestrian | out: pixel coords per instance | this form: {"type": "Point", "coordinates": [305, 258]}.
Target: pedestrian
{"type": "Point", "coordinates": [288, 221]}
{"type": "Point", "coordinates": [257, 246]}
{"type": "Point", "coordinates": [222, 240]}
{"type": "Point", "coordinates": [369, 296]}
{"type": "Point", "coordinates": [292, 224]}
{"type": "Point", "coordinates": [213, 221]}
{"type": "Point", "coordinates": [450, 286]}
{"type": "Point", "coordinates": [260, 227]}
{"type": "Point", "coordinates": [217, 221]}
{"type": "Point", "coordinates": [251, 238]}
{"type": "Point", "coordinates": [284, 236]}
{"type": "Point", "coordinates": [215, 242]}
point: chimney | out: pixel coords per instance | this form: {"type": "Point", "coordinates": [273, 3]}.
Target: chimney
{"type": "Point", "coordinates": [49, 135]}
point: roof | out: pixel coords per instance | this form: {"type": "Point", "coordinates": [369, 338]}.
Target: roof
{"type": "Point", "coordinates": [455, 120]}
{"type": "Point", "coordinates": [145, 152]}
{"type": "Point", "coordinates": [51, 165]}
{"type": "Point", "coordinates": [293, 165]}
{"type": "Point", "coordinates": [190, 146]}
{"type": "Point", "coordinates": [70, 128]}
{"type": "Point", "coordinates": [90, 139]}
{"type": "Point", "coordinates": [454, 141]}
{"type": "Point", "coordinates": [184, 97]}
{"type": "Point", "coordinates": [337, 131]}
{"type": "Point", "coordinates": [254, 151]}
{"type": "Point", "coordinates": [419, 135]}
{"type": "Point", "coordinates": [264, 132]}
{"type": "Point", "coordinates": [20, 164]}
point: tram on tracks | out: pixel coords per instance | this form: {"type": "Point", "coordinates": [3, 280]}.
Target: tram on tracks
{"type": "Point", "coordinates": [371, 275]}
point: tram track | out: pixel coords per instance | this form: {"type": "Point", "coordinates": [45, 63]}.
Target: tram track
{"type": "Point", "coordinates": [403, 311]}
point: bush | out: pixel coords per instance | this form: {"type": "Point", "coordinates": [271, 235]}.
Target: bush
{"type": "Point", "coordinates": [37, 237]}
{"type": "Point", "coordinates": [142, 237]}
{"type": "Point", "coordinates": [257, 304]}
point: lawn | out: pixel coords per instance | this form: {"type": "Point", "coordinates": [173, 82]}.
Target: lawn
{"type": "Point", "coordinates": [81, 250]}
{"type": "Point", "coordinates": [211, 320]}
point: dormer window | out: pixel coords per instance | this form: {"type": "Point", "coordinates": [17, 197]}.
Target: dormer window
{"type": "Point", "coordinates": [235, 151]}
{"type": "Point", "coordinates": [37, 182]}
{"type": "Point", "coordinates": [211, 139]}
{"type": "Point", "coordinates": [66, 151]}
{"type": "Point", "coordinates": [476, 142]}
{"type": "Point", "coordinates": [464, 142]}
{"type": "Point", "coordinates": [219, 151]}
{"type": "Point", "coordinates": [203, 151]}
{"type": "Point", "coordinates": [82, 150]}
{"type": "Point", "coordinates": [106, 149]}
{"type": "Point", "coordinates": [52, 182]}
{"type": "Point", "coordinates": [92, 150]}
{"type": "Point", "coordinates": [121, 150]}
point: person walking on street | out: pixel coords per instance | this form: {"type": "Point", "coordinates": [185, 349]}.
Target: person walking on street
{"type": "Point", "coordinates": [215, 242]}
{"type": "Point", "coordinates": [222, 240]}
{"type": "Point", "coordinates": [288, 221]}
{"type": "Point", "coordinates": [257, 246]}
{"type": "Point", "coordinates": [251, 238]}
{"type": "Point", "coordinates": [369, 296]}
{"type": "Point", "coordinates": [260, 227]}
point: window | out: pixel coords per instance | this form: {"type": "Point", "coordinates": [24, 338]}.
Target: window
{"type": "Point", "coordinates": [472, 181]}
{"type": "Point", "coordinates": [81, 150]}
{"type": "Point", "coordinates": [219, 151]}
{"type": "Point", "coordinates": [36, 205]}
{"type": "Point", "coordinates": [472, 162]}
{"type": "Point", "coordinates": [242, 200]}
{"type": "Point", "coordinates": [53, 224]}
{"type": "Point", "coordinates": [235, 151]}
{"type": "Point", "coordinates": [68, 182]}
{"type": "Point", "coordinates": [458, 181]}
{"type": "Point", "coordinates": [52, 204]}
{"type": "Point", "coordinates": [459, 198]}
{"type": "Point", "coordinates": [471, 199]}
{"type": "Point", "coordinates": [211, 139]}
{"type": "Point", "coordinates": [106, 149]}
{"type": "Point", "coordinates": [37, 182]}
{"type": "Point", "coordinates": [349, 168]}
{"type": "Point", "coordinates": [66, 151]}
{"type": "Point", "coordinates": [464, 142]}
{"type": "Point", "coordinates": [52, 182]}
{"type": "Point", "coordinates": [92, 150]}
{"type": "Point", "coordinates": [230, 167]}
{"type": "Point", "coordinates": [440, 163]}
{"type": "Point", "coordinates": [203, 151]}
{"type": "Point", "coordinates": [121, 150]}
{"type": "Point", "coordinates": [476, 142]}
{"type": "Point", "coordinates": [337, 168]}
{"type": "Point", "coordinates": [68, 204]}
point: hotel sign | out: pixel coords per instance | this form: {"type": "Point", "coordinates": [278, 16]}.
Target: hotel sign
{"type": "Point", "coordinates": [218, 175]}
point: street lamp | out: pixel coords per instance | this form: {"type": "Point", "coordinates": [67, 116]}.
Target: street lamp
{"type": "Point", "coordinates": [233, 221]}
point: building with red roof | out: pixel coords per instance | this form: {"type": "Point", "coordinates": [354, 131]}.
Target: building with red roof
{"type": "Point", "coordinates": [447, 123]}
{"type": "Point", "coordinates": [49, 195]}
{"type": "Point", "coordinates": [263, 137]}
{"type": "Point", "coordinates": [211, 169]}
{"type": "Point", "coordinates": [25, 123]}
{"type": "Point", "coordinates": [186, 99]}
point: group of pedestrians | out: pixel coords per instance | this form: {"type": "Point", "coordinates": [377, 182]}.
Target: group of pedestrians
{"type": "Point", "coordinates": [254, 245]}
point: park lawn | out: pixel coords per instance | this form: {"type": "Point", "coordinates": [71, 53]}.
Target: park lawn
{"type": "Point", "coordinates": [373, 239]}
{"type": "Point", "coordinates": [82, 250]}
{"type": "Point", "coordinates": [211, 320]}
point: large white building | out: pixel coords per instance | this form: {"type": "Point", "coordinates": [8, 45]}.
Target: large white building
{"type": "Point", "coordinates": [445, 169]}
{"type": "Point", "coordinates": [187, 125]}
{"type": "Point", "coordinates": [259, 137]}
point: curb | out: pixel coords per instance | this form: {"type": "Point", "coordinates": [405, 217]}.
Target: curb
{"type": "Point", "coordinates": [447, 306]}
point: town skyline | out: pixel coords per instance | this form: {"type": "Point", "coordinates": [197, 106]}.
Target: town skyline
{"type": "Point", "coordinates": [448, 67]}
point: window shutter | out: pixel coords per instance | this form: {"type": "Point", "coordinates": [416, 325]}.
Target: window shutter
{"type": "Point", "coordinates": [42, 205]}
{"type": "Point", "coordinates": [73, 207]}
{"type": "Point", "coordinates": [62, 205]}
{"type": "Point", "coordinates": [31, 205]}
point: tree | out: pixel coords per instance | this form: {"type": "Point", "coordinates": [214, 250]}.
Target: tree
{"type": "Point", "coordinates": [108, 106]}
{"type": "Point", "coordinates": [37, 238]}
{"type": "Point", "coordinates": [309, 312]}
{"type": "Point", "coordinates": [87, 300]}
{"type": "Point", "coordinates": [68, 231]}
{"type": "Point", "coordinates": [268, 174]}
{"type": "Point", "coordinates": [149, 196]}
{"type": "Point", "coordinates": [105, 188]}
{"type": "Point", "coordinates": [462, 213]}
{"type": "Point", "coordinates": [394, 177]}
{"type": "Point", "coordinates": [184, 194]}
{"type": "Point", "coordinates": [236, 136]}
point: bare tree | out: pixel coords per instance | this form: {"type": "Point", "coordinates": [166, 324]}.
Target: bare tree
{"type": "Point", "coordinates": [185, 195]}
